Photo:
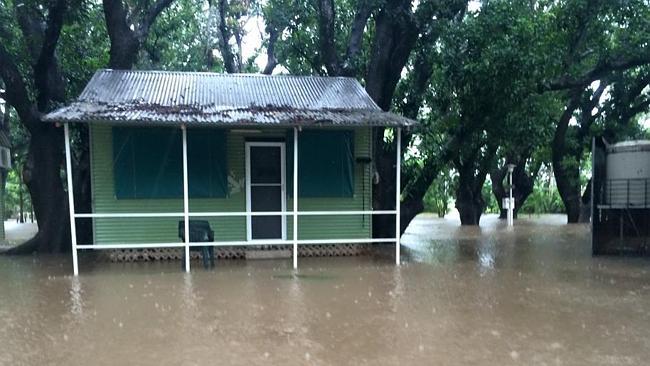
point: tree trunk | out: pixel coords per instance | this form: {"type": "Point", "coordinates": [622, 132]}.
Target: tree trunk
{"type": "Point", "coordinates": [125, 44]}
{"type": "Point", "coordinates": [82, 186]}
{"type": "Point", "coordinates": [469, 200]}
{"type": "Point", "coordinates": [42, 174]}
{"type": "Point", "coordinates": [498, 190]}
{"type": "Point", "coordinates": [585, 205]}
{"type": "Point", "coordinates": [567, 178]}
{"type": "Point", "coordinates": [470, 211]}
{"type": "Point", "coordinates": [569, 191]}
{"type": "Point", "coordinates": [395, 37]}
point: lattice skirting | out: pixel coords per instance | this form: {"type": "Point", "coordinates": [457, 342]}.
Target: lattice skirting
{"type": "Point", "coordinates": [174, 254]}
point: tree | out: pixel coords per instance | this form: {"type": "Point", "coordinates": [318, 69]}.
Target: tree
{"type": "Point", "coordinates": [487, 91]}
{"type": "Point", "coordinates": [39, 28]}
{"type": "Point", "coordinates": [128, 26]}
{"type": "Point", "coordinates": [40, 65]}
{"type": "Point", "coordinates": [528, 129]}
{"type": "Point", "coordinates": [598, 40]}
{"type": "Point", "coordinates": [374, 42]}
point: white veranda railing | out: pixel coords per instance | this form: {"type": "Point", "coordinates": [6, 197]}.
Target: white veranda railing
{"type": "Point", "coordinates": [186, 214]}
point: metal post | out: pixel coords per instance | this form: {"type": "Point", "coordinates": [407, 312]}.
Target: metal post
{"type": "Point", "coordinates": [73, 224]}
{"type": "Point", "coordinates": [511, 210]}
{"type": "Point", "coordinates": [511, 201]}
{"type": "Point", "coordinates": [295, 197]}
{"type": "Point", "coordinates": [186, 201]}
{"type": "Point", "coordinates": [398, 192]}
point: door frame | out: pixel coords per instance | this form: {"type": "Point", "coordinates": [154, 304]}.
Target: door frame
{"type": "Point", "coordinates": [283, 198]}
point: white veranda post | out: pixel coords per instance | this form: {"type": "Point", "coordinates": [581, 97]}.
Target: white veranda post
{"type": "Point", "coordinates": [398, 192]}
{"type": "Point", "coordinates": [73, 224]}
{"type": "Point", "coordinates": [295, 197]}
{"type": "Point", "coordinates": [186, 203]}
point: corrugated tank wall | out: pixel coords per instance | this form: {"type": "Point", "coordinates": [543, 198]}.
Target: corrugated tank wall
{"type": "Point", "coordinates": [155, 230]}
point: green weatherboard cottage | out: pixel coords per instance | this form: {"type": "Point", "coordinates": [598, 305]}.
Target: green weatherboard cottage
{"type": "Point", "coordinates": [172, 146]}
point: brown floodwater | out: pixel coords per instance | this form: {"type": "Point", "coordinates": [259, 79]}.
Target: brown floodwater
{"type": "Point", "coordinates": [532, 295]}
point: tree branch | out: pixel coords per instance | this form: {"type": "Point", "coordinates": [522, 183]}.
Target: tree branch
{"type": "Point", "coordinates": [363, 12]}
{"type": "Point", "coordinates": [587, 106]}
{"type": "Point", "coordinates": [327, 37]}
{"type": "Point", "coordinates": [227, 54]}
{"type": "Point", "coordinates": [417, 187]}
{"type": "Point", "coordinates": [16, 93]}
{"type": "Point", "coordinates": [124, 42]}
{"type": "Point", "coordinates": [639, 108]}
{"type": "Point", "coordinates": [601, 70]}
{"type": "Point", "coordinates": [313, 63]}
{"type": "Point", "coordinates": [563, 122]}
{"type": "Point", "coordinates": [46, 69]}
{"type": "Point", "coordinates": [150, 16]}
{"type": "Point", "coordinates": [271, 60]}
{"type": "Point", "coordinates": [30, 27]}
{"type": "Point", "coordinates": [394, 39]}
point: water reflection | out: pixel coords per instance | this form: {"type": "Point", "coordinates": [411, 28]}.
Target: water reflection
{"type": "Point", "coordinates": [486, 259]}
{"type": "Point", "coordinates": [76, 299]}
{"type": "Point", "coordinates": [189, 305]}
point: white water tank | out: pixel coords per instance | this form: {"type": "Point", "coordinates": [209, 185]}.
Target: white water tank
{"type": "Point", "coordinates": [628, 173]}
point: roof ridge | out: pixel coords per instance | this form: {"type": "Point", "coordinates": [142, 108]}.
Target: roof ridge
{"type": "Point", "coordinates": [223, 74]}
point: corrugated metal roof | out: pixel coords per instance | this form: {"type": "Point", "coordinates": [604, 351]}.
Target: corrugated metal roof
{"type": "Point", "coordinates": [162, 97]}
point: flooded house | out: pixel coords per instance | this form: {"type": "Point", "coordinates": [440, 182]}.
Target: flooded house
{"type": "Point", "coordinates": [264, 160]}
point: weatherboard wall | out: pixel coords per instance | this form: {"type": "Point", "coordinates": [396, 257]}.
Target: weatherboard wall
{"type": "Point", "coordinates": [158, 230]}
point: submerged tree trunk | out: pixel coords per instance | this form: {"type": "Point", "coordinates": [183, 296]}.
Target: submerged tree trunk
{"type": "Point", "coordinates": [585, 205]}
{"type": "Point", "coordinates": [473, 168]}
{"type": "Point", "coordinates": [568, 186]}
{"type": "Point", "coordinates": [567, 177]}
{"type": "Point", "coordinates": [395, 37]}
{"type": "Point", "coordinates": [81, 185]}
{"type": "Point", "coordinates": [498, 176]}
{"type": "Point", "coordinates": [469, 202]}
{"type": "Point", "coordinates": [469, 194]}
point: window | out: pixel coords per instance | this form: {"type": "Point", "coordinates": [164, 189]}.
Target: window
{"type": "Point", "coordinates": [148, 163]}
{"type": "Point", "coordinates": [325, 164]}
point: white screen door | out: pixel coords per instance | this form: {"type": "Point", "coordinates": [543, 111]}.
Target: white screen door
{"type": "Point", "coordinates": [265, 190]}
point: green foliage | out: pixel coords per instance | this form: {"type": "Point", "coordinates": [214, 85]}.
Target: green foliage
{"type": "Point", "coordinates": [83, 48]}
{"type": "Point", "coordinates": [439, 196]}
{"type": "Point", "coordinates": [179, 40]}
{"type": "Point", "coordinates": [15, 190]}
{"type": "Point", "coordinates": [491, 205]}
{"type": "Point", "coordinates": [544, 198]}
{"type": "Point", "coordinates": [298, 49]}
